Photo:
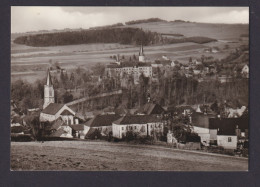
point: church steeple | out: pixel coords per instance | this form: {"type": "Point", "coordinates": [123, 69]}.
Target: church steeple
{"type": "Point", "coordinates": [49, 81]}
{"type": "Point", "coordinates": [48, 91]}
{"type": "Point", "coordinates": [141, 54]}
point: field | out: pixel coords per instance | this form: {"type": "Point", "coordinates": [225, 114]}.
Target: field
{"type": "Point", "coordinates": [25, 58]}
{"type": "Point", "coordinates": [105, 156]}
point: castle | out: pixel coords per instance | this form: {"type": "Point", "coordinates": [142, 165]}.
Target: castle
{"type": "Point", "coordinates": [134, 68]}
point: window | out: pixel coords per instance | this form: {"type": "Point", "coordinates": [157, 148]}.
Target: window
{"type": "Point", "coordinates": [122, 128]}
{"type": "Point", "coordinates": [229, 139]}
{"type": "Point", "coordinates": [135, 127]}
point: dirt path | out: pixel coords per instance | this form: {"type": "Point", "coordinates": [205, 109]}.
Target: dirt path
{"type": "Point", "coordinates": [100, 156]}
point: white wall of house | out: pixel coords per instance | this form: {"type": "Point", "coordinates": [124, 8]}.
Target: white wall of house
{"type": "Point", "coordinates": [226, 141]}
{"type": "Point", "coordinates": [213, 134]}
{"type": "Point", "coordinates": [204, 134]}
{"type": "Point", "coordinates": [142, 129]}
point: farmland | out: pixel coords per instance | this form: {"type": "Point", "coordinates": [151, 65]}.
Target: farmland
{"type": "Point", "coordinates": [96, 156]}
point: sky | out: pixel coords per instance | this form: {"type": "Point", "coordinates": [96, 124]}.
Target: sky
{"type": "Point", "coordinates": [34, 18]}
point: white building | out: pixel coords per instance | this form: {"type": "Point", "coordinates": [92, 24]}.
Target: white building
{"type": "Point", "coordinates": [48, 91]}
{"type": "Point", "coordinates": [143, 125]}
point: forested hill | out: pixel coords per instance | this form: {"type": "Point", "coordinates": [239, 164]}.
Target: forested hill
{"type": "Point", "coordinates": [131, 36]}
{"type": "Point", "coordinates": [108, 35]}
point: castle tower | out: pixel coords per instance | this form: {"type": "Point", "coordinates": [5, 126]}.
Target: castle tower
{"type": "Point", "coordinates": [141, 54]}
{"type": "Point", "coordinates": [48, 91]}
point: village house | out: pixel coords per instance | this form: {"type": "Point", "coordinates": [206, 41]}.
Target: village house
{"type": "Point", "coordinates": [58, 128]}
{"type": "Point", "coordinates": [143, 125]}
{"type": "Point", "coordinates": [103, 123]}
{"type": "Point", "coordinates": [245, 71]}
{"type": "Point", "coordinates": [223, 131]}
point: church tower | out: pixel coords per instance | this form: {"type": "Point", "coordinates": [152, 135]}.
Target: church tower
{"type": "Point", "coordinates": [141, 54]}
{"type": "Point", "coordinates": [48, 91]}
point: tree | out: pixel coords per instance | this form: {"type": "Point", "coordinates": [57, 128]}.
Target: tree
{"type": "Point", "coordinates": [67, 97]}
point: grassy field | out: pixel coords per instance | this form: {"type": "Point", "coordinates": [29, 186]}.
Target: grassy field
{"type": "Point", "coordinates": [105, 156]}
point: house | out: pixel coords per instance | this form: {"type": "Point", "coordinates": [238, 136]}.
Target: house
{"type": "Point", "coordinates": [230, 130]}
{"type": "Point", "coordinates": [201, 126]}
{"type": "Point", "coordinates": [59, 128]}
{"type": "Point", "coordinates": [150, 108]}
{"type": "Point", "coordinates": [78, 131]}
{"type": "Point", "coordinates": [55, 110]}
{"type": "Point", "coordinates": [101, 122]}
{"type": "Point", "coordinates": [143, 125]}
{"type": "Point", "coordinates": [212, 129]}
{"type": "Point", "coordinates": [245, 71]}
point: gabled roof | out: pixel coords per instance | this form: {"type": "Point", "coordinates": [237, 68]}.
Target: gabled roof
{"type": "Point", "coordinates": [102, 120]}
{"type": "Point", "coordinates": [52, 108]}
{"type": "Point", "coordinates": [150, 108]}
{"type": "Point", "coordinates": [66, 113]}
{"type": "Point", "coordinates": [137, 119]}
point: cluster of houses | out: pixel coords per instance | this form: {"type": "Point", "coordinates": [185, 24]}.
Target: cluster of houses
{"type": "Point", "coordinates": [224, 132]}
{"type": "Point", "coordinates": [195, 68]}
{"type": "Point", "coordinates": [65, 122]}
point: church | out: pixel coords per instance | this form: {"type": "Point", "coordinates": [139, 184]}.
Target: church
{"type": "Point", "coordinates": [53, 111]}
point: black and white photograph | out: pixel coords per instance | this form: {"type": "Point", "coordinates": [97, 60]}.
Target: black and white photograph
{"type": "Point", "coordinates": [129, 88]}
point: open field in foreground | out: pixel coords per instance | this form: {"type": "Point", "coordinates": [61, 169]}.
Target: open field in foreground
{"type": "Point", "coordinates": [105, 156]}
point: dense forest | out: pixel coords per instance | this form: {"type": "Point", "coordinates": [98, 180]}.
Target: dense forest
{"type": "Point", "coordinates": [131, 36]}
{"type": "Point", "coordinates": [144, 21]}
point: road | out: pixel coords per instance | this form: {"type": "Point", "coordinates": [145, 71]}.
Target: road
{"type": "Point", "coordinates": [106, 156]}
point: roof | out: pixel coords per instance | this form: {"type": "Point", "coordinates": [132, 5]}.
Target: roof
{"type": "Point", "coordinates": [52, 108]}
{"type": "Point", "coordinates": [66, 113]}
{"type": "Point", "coordinates": [130, 64]}
{"type": "Point", "coordinates": [137, 119]}
{"type": "Point", "coordinates": [49, 81]}
{"type": "Point", "coordinates": [227, 126]}
{"type": "Point", "coordinates": [57, 123]}
{"type": "Point", "coordinates": [77, 127]}
{"type": "Point", "coordinates": [150, 108]}
{"type": "Point", "coordinates": [57, 133]}
{"type": "Point", "coordinates": [102, 120]}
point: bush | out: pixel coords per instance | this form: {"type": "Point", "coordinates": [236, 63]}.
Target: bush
{"type": "Point", "coordinates": [21, 138]}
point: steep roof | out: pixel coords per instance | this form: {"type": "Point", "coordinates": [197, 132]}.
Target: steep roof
{"type": "Point", "coordinates": [102, 120]}
{"type": "Point", "coordinates": [49, 81]}
{"type": "Point", "coordinates": [66, 113]}
{"type": "Point", "coordinates": [150, 108]}
{"type": "Point", "coordinates": [137, 119]}
{"type": "Point", "coordinates": [77, 127]}
{"type": "Point", "coordinates": [52, 108]}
